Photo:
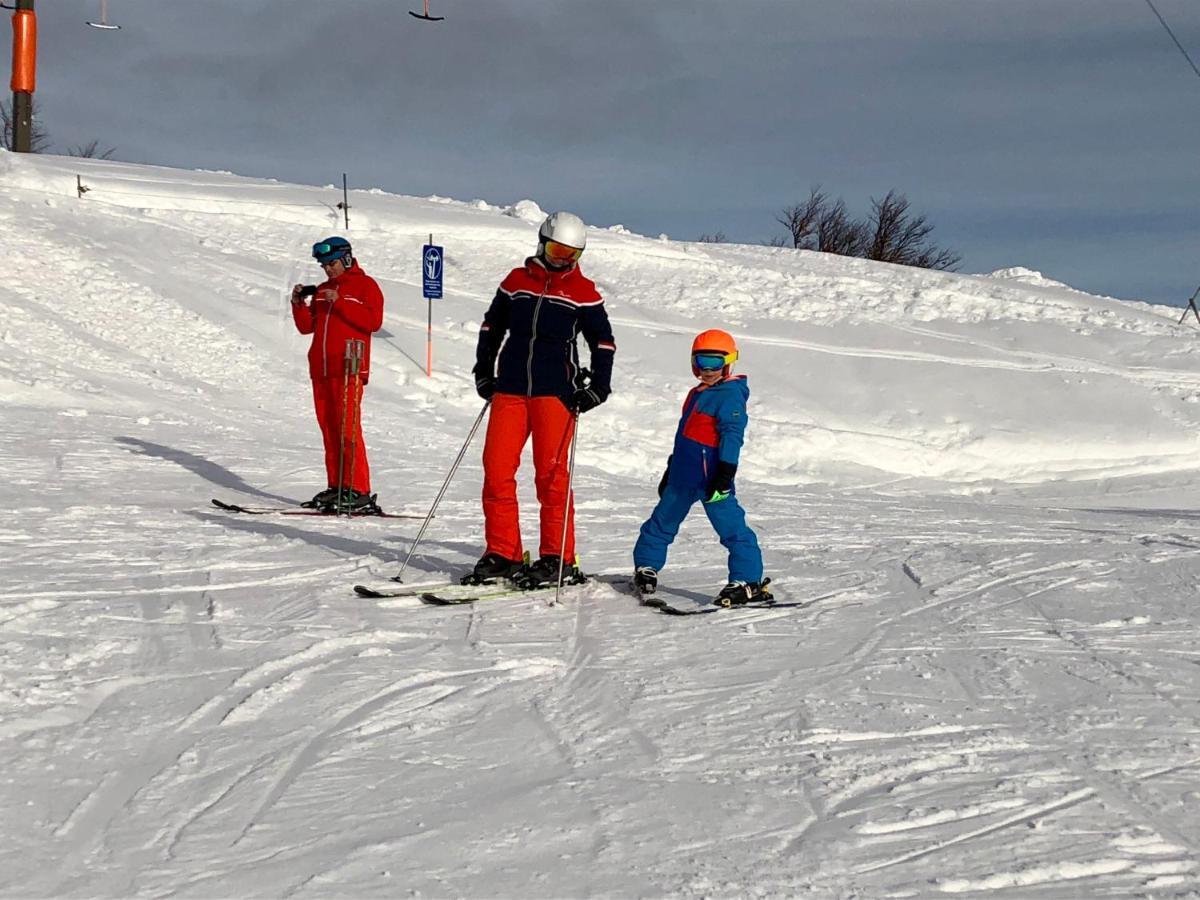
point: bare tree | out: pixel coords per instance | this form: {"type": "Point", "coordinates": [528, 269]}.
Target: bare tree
{"type": "Point", "coordinates": [715, 238]}
{"type": "Point", "coordinates": [801, 220]}
{"type": "Point", "coordinates": [92, 150]}
{"type": "Point", "coordinates": [838, 233]}
{"type": "Point", "coordinates": [896, 235]}
{"type": "Point", "coordinates": [39, 141]}
{"type": "Point", "coordinates": [824, 225]}
{"type": "Point", "coordinates": [938, 258]}
{"type": "Point", "coordinates": [892, 233]}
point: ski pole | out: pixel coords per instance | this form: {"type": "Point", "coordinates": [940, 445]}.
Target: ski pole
{"type": "Point", "coordinates": [562, 544]}
{"type": "Point", "coordinates": [342, 435]}
{"type": "Point", "coordinates": [355, 348]}
{"type": "Point", "coordinates": [445, 484]}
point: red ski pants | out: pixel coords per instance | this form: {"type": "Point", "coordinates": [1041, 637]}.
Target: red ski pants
{"type": "Point", "coordinates": [512, 420]}
{"type": "Point", "coordinates": [338, 402]}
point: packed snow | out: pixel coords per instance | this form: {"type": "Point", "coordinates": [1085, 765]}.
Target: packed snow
{"type": "Point", "coordinates": [982, 487]}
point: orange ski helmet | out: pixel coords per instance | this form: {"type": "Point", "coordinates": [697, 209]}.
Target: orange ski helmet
{"type": "Point", "coordinates": [712, 348]}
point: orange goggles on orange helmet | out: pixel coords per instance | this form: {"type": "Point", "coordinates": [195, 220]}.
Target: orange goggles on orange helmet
{"type": "Point", "coordinates": [561, 253]}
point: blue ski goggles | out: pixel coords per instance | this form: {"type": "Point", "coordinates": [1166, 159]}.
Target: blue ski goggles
{"type": "Point", "coordinates": [325, 252]}
{"type": "Point", "coordinates": [710, 361]}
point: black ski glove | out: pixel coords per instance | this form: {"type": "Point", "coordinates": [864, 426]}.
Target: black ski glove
{"type": "Point", "coordinates": [583, 400]}
{"type": "Point", "coordinates": [662, 484]}
{"type": "Point", "coordinates": [720, 486]}
{"type": "Point", "coordinates": [485, 386]}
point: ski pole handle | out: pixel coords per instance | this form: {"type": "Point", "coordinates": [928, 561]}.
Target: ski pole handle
{"type": "Point", "coordinates": [355, 349]}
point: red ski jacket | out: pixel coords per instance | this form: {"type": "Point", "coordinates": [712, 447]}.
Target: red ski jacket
{"type": "Point", "coordinates": [355, 314]}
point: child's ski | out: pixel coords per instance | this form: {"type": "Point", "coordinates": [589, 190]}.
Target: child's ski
{"type": "Point", "coordinates": [661, 602]}
{"type": "Point", "coordinates": [699, 610]}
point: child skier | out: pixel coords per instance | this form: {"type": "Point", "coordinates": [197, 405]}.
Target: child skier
{"type": "Point", "coordinates": [701, 467]}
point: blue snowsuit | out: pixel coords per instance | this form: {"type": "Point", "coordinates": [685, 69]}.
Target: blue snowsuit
{"type": "Point", "coordinates": [710, 431]}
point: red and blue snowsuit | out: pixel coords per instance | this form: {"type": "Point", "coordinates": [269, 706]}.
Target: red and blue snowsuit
{"type": "Point", "coordinates": [710, 432]}
{"type": "Point", "coordinates": [541, 312]}
{"type": "Point", "coordinates": [354, 315]}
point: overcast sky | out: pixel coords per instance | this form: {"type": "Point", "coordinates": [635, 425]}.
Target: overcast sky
{"type": "Point", "coordinates": [1060, 135]}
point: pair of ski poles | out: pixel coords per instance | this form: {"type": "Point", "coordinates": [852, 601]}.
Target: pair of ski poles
{"type": "Point", "coordinates": [562, 545]}
{"type": "Point", "coordinates": [352, 376]}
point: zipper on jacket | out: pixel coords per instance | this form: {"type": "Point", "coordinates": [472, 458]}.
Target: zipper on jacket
{"type": "Point", "coordinates": [324, 344]}
{"type": "Point", "coordinates": [572, 356]}
{"type": "Point", "coordinates": [325, 340]}
{"type": "Point", "coordinates": [537, 307]}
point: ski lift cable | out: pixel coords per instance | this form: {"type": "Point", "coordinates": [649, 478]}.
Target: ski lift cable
{"type": "Point", "coordinates": [1182, 50]}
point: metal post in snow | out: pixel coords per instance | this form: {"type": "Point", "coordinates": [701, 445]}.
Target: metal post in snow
{"type": "Point", "coordinates": [24, 74]}
{"type": "Point", "coordinates": [1191, 306]}
{"type": "Point", "coordinates": [429, 330]}
{"type": "Point", "coordinates": [432, 269]}
{"type": "Point", "coordinates": [344, 206]}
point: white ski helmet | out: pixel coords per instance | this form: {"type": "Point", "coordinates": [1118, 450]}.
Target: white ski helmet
{"type": "Point", "coordinates": [563, 228]}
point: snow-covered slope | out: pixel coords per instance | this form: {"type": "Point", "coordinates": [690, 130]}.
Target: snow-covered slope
{"type": "Point", "coordinates": [983, 484]}
{"type": "Point", "coordinates": [860, 372]}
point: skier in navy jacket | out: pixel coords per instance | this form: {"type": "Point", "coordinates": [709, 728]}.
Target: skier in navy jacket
{"type": "Point", "coordinates": [527, 365]}
{"type": "Point", "coordinates": [702, 465]}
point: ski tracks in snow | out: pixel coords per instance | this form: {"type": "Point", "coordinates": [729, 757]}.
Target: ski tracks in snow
{"type": "Point", "coordinates": [211, 812]}
{"type": "Point", "coordinates": [1029, 767]}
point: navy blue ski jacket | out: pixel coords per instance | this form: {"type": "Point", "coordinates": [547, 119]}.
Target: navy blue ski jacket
{"type": "Point", "coordinates": [542, 312]}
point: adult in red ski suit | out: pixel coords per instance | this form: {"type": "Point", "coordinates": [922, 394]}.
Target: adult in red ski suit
{"type": "Point", "coordinates": [527, 365]}
{"type": "Point", "coordinates": [347, 306]}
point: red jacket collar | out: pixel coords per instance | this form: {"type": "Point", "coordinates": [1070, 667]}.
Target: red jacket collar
{"type": "Point", "coordinates": [538, 269]}
{"type": "Point", "coordinates": [353, 270]}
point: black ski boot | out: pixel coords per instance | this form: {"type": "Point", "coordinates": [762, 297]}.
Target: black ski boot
{"type": "Point", "coordinates": [645, 580]}
{"type": "Point", "coordinates": [321, 499]}
{"type": "Point", "coordinates": [544, 573]}
{"type": "Point", "coordinates": [739, 593]}
{"type": "Point", "coordinates": [352, 503]}
{"type": "Point", "coordinates": [492, 567]}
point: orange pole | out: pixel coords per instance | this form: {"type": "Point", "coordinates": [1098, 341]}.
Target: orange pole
{"type": "Point", "coordinates": [24, 72]}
